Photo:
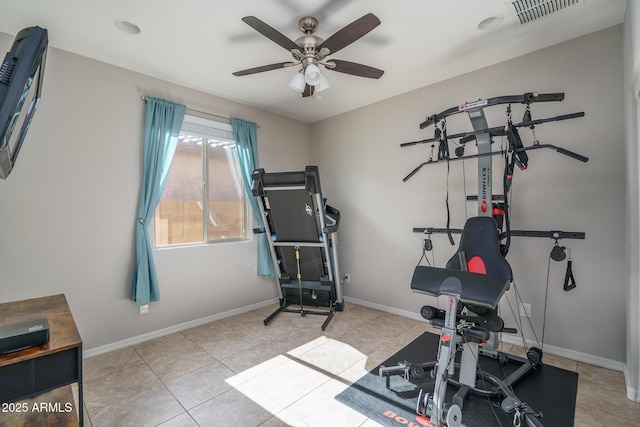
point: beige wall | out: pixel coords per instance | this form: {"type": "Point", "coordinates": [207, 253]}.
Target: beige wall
{"type": "Point", "coordinates": [362, 167]}
{"type": "Point", "coordinates": [68, 210]}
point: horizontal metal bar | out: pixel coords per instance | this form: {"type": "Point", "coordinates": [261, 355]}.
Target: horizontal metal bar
{"type": "Point", "coordinates": [431, 230]}
{"type": "Point", "coordinates": [495, 153]}
{"type": "Point", "coordinates": [526, 98]}
{"type": "Point", "coordinates": [553, 234]}
{"type": "Point", "coordinates": [282, 187]}
{"type": "Point", "coordinates": [301, 244]}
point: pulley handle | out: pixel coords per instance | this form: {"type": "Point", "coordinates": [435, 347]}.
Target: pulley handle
{"type": "Point", "coordinates": [572, 154]}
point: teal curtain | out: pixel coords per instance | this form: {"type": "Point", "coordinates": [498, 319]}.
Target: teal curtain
{"type": "Point", "coordinates": [163, 120]}
{"type": "Point", "coordinates": [245, 136]}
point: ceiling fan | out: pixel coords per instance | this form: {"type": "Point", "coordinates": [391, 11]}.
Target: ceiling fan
{"type": "Point", "coordinates": [310, 51]}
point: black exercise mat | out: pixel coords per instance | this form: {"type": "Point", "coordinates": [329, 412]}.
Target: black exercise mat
{"type": "Point", "coordinates": [549, 390]}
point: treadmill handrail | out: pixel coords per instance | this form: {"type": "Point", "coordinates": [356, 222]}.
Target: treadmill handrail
{"type": "Point", "coordinates": [334, 215]}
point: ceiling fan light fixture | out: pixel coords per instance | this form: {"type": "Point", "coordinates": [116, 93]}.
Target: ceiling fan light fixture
{"type": "Point", "coordinates": [312, 75]}
{"type": "Point", "coordinates": [322, 84]}
{"type": "Point", "coordinates": [298, 82]}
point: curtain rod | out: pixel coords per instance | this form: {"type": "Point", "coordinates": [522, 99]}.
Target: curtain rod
{"type": "Point", "coordinates": [228, 119]}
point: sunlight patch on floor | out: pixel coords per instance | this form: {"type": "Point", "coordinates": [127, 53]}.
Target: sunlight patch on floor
{"type": "Point", "coordinates": [297, 384]}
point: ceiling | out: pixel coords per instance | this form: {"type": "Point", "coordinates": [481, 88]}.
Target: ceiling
{"type": "Point", "coordinates": [199, 43]}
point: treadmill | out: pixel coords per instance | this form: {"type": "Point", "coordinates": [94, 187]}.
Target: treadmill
{"type": "Point", "coordinates": [302, 233]}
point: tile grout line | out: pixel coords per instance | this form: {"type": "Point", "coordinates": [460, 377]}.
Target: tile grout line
{"type": "Point", "coordinates": [165, 387]}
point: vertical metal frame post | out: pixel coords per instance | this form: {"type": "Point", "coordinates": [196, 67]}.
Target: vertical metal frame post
{"type": "Point", "coordinates": [272, 249]}
{"type": "Point", "coordinates": [485, 199]}
{"type": "Point", "coordinates": [325, 237]}
{"type": "Point", "coordinates": [336, 267]}
{"type": "Point", "coordinates": [479, 122]}
{"type": "Point", "coordinates": [446, 355]}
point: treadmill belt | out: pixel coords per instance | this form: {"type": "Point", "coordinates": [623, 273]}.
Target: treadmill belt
{"type": "Point", "coordinates": [293, 216]}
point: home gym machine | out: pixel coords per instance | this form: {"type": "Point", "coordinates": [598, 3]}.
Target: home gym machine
{"type": "Point", "coordinates": [302, 233]}
{"type": "Point", "coordinates": [477, 276]}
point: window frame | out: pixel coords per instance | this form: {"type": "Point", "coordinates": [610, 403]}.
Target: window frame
{"type": "Point", "coordinates": [222, 128]}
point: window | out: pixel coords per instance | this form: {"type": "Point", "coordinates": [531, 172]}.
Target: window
{"type": "Point", "coordinates": [203, 201]}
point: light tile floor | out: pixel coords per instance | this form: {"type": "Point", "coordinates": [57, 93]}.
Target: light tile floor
{"type": "Point", "coordinates": [237, 372]}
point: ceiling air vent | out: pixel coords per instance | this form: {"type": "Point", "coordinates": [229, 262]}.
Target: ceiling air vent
{"type": "Point", "coordinates": [530, 10]}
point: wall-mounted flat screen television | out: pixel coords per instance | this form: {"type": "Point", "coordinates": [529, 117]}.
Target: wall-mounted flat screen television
{"type": "Point", "coordinates": [21, 75]}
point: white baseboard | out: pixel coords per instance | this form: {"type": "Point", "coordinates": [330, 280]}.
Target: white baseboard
{"type": "Point", "coordinates": [632, 393]}
{"type": "Point", "coordinates": [403, 313]}
{"type": "Point", "coordinates": [96, 351]}
{"type": "Point", "coordinates": [558, 351]}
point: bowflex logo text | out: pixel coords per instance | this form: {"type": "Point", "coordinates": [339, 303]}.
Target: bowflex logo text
{"type": "Point", "coordinates": [405, 422]}
{"type": "Point", "coordinates": [485, 179]}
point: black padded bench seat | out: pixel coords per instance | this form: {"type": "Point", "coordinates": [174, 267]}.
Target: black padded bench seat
{"type": "Point", "coordinates": [473, 288]}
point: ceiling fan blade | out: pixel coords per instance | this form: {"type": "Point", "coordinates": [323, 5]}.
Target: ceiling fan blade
{"type": "Point", "coordinates": [308, 91]}
{"type": "Point", "coordinates": [356, 69]}
{"type": "Point", "coordinates": [263, 68]}
{"type": "Point", "coordinates": [270, 33]}
{"type": "Point", "coordinates": [350, 33]}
